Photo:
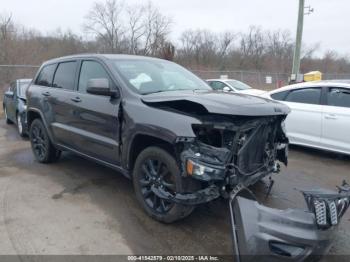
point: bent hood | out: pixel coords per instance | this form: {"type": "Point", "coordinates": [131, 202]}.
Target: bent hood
{"type": "Point", "coordinates": [218, 102]}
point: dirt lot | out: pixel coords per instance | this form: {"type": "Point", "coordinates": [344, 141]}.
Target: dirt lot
{"type": "Point", "coordinates": [77, 207]}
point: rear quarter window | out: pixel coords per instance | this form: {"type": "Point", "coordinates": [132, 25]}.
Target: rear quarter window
{"type": "Point", "coordinates": [46, 75]}
{"type": "Point", "coordinates": [65, 75]}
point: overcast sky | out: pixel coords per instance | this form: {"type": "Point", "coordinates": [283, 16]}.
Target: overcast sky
{"type": "Point", "coordinates": [328, 26]}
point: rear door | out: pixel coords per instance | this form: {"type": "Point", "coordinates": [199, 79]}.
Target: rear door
{"type": "Point", "coordinates": [94, 118]}
{"type": "Point", "coordinates": [304, 123]}
{"type": "Point", "coordinates": [336, 120]}
{"type": "Point", "coordinates": [63, 88]}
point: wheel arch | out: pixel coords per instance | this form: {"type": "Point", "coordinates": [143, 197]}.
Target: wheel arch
{"type": "Point", "coordinates": [32, 114]}
{"type": "Point", "coordinates": [142, 141]}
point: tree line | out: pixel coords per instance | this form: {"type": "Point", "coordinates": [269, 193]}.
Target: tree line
{"type": "Point", "coordinates": [113, 26]}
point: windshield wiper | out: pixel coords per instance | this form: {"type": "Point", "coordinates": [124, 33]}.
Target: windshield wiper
{"type": "Point", "coordinates": [155, 92]}
{"type": "Point", "coordinates": [162, 91]}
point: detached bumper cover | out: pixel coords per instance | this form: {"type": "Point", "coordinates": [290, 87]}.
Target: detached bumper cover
{"type": "Point", "coordinates": [266, 234]}
{"type": "Point", "coordinates": [275, 234]}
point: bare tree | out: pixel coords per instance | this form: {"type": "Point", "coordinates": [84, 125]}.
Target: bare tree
{"type": "Point", "coordinates": [157, 28]}
{"type": "Point", "coordinates": [105, 21]}
{"type": "Point", "coordinates": [143, 29]}
{"type": "Point", "coordinates": [279, 51]}
{"type": "Point", "coordinates": [252, 47]}
{"type": "Point", "coordinates": [136, 27]}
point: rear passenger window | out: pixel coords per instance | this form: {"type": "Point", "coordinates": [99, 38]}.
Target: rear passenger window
{"type": "Point", "coordinates": [46, 75]}
{"type": "Point", "coordinates": [65, 75]}
{"type": "Point", "coordinates": [91, 70]}
{"type": "Point", "coordinates": [305, 96]}
{"type": "Point", "coordinates": [280, 96]}
{"type": "Point", "coordinates": [338, 97]}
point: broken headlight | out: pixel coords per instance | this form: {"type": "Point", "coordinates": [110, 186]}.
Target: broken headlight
{"type": "Point", "coordinates": [195, 169]}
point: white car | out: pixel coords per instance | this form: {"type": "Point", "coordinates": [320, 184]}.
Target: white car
{"type": "Point", "coordinates": [231, 85]}
{"type": "Point", "coordinates": [320, 116]}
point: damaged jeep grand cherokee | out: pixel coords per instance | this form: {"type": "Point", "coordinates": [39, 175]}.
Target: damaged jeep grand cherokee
{"type": "Point", "coordinates": [181, 143]}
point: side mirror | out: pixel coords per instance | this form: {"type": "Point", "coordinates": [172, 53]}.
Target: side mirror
{"type": "Point", "coordinates": [226, 89]}
{"type": "Point", "coordinates": [100, 86]}
{"type": "Point", "coordinates": [9, 94]}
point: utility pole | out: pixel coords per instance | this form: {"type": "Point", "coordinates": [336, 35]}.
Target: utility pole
{"type": "Point", "coordinates": [299, 38]}
{"type": "Point", "coordinates": [297, 51]}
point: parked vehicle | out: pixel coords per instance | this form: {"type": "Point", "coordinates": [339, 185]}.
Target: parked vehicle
{"type": "Point", "coordinates": [320, 116]}
{"type": "Point", "coordinates": [15, 105]}
{"type": "Point", "coordinates": [231, 85]}
{"type": "Point", "coordinates": [180, 142]}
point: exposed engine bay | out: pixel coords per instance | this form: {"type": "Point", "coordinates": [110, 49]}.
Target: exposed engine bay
{"type": "Point", "coordinates": [230, 151]}
{"type": "Point", "coordinates": [241, 151]}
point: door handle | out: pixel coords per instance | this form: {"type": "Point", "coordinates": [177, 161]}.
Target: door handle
{"type": "Point", "coordinates": [331, 117]}
{"type": "Point", "coordinates": [76, 99]}
{"type": "Point", "coordinates": [47, 94]}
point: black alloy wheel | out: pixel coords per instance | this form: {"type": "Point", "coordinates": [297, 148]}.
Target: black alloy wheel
{"type": "Point", "coordinates": [156, 173]}
{"type": "Point", "coordinates": [157, 168]}
{"type": "Point", "coordinates": [42, 147]}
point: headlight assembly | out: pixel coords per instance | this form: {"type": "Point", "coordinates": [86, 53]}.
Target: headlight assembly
{"type": "Point", "coordinates": [195, 169]}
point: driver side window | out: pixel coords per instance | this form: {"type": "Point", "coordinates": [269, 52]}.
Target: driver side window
{"type": "Point", "coordinates": [91, 70]}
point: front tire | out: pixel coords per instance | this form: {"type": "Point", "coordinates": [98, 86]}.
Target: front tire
{"type": "Point", "coordinates": [42, 147]}
{"type": "Point", "coordinates": [155, 166]}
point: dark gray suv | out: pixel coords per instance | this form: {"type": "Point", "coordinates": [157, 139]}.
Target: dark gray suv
{"type": "Point", "coordinates": [181, 143]}
{"type": "Point", "coordinates": [154, 121]}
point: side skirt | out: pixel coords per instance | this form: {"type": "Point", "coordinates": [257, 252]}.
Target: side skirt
{"type": "Point", "coordinates": [123, 171]}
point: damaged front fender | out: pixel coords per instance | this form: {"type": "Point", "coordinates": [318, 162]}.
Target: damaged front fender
{"type": "Point", "coordinates": [268, 234]}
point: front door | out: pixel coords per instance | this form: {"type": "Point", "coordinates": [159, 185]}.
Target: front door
{"type": "Point", "coordinates": [94, 118]}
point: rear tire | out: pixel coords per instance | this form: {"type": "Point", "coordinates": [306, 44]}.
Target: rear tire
{"type": "Point", "coordinates": [8, 121]}
{"type": "Point", "coordinates": [42, 147]}
{"type": "Point", "coordinates": [155, 166]}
